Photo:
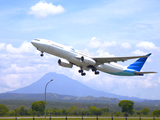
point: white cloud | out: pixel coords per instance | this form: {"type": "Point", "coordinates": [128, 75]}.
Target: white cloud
{"type": "Point", "coordinates": [16, 69]}
{"type": "Point", "coordinates": [109, 44]}
{"type": "Point", "coordinates": [139, 52]}
{"type": "Point", "coordinates": [14, 81]}
{"type": "Point", "coordinates": [159, 80]}
{"type": "Point", "coordinates": [125, 45]}
{"type": "Point", "coordinates": [115, 83]}
{"type": "Point", "coordinates": [98, 43]}
{"type": "Point", "coordinates": [26, 47]}
{"type": "Point", "coordinates": [43, 9]}
{"type": "Point", "coordinates": [102, 52]}
{"type": "Point", "coordinates": [2, 46]}
{"type": "Point", "coordinates": [147, 45]}
{"type": "Point", "coordinates": [95, 42]}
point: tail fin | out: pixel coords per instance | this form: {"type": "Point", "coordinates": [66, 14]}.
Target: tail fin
{"type": "Point", "coordinates": [137, 65]}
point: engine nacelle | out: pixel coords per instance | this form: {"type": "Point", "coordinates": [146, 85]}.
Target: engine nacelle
{"type": "Point", "coordinates": [65, 63]}
{"type": "Point", "coordinates": [88, 61]}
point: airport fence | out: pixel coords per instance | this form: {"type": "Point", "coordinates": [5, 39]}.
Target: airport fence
{"type": "Point", "coordinates": [80, 118]}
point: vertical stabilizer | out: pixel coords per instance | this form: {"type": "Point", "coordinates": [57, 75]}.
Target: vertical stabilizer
{"type": "Point", "coordinates": [137, 65]}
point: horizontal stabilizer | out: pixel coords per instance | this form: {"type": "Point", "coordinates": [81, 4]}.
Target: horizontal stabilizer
{"type": "Point", "coordinates": [140, 73]}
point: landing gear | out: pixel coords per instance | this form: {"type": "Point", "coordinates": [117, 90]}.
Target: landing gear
{"type": "Point", "coordinates": [81, 71]}
{"type": "Point", "coordinates": [41, 54]}
{"type": "Point", "coordinates": [83, 74]}
{"type": "Point", "coordinates": [95, 71]}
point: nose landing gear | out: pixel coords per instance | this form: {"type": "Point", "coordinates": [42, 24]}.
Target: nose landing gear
{"type": "Point", "coordinates": [41, 54]}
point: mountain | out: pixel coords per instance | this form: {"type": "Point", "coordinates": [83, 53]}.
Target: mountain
{"type": "Point", "coordinates": [64, 85]}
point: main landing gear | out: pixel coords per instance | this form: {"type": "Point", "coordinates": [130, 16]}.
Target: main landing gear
{"type": "Point", "coordinates": [95, 71]}
{"type": "Point", "coordinates": [81, 71]}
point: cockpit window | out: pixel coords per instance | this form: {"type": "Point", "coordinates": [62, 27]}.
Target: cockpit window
{"type": "Point", "coordinates": [37, 39]}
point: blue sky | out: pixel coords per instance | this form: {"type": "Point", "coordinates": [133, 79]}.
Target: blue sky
{"type": "Point", "coordinates": [100, 28]}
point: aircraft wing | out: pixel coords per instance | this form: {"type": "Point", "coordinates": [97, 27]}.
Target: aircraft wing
{"type": "Point", "coordinates": [101, 60]}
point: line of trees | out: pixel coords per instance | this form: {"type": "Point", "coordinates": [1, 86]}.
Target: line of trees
{"type": "Point", "coordinates": [37, 108]}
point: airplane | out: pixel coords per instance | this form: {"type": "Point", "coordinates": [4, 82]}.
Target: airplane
{"type": "Point", "coordinates": [71, 56]}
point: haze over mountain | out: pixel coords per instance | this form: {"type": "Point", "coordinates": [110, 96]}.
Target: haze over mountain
{"type": "Point", "coordinates": [64, 85]}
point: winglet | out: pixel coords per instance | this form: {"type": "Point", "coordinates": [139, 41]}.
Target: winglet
{"type": "Point", "coordinates": [148, 54]}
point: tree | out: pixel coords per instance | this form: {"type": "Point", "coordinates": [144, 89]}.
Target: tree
{"type": "Point", "coordinates": [156, 112]}
{"type": "Point", "coordinates": [49, 111]}
{"type": "Point", "coordinates": [104, 111]}
{"type": "Point", "coordinates": [12, 113]}
{"type": "Point", "coordinates": [57, 112]}
{"type": "Point", "coordinates": [94, 111]}
{"type": "Point", "coordinates": [22, 110]}
{"type": "Point", "coordinates": [118, 114]}
{"type": "Point", "coordinates": [138, 112]}
{"type": "Point", "coordinates": [73, 110]}
{"type": "Point", "coordinates": [81, 111]}
{"type": "Point", "coordinates": [133, 112]}
{"type": "Point", "coordinates": [64, 111]}
{"type": "Point", "coordinates": [16, 112]}
{"type": "Point", "coordinates": [145, 111]}
{"type": "Point", "coordinates": [38, 107]}
{"type": "Point", "coordinates": [32, 112]}
{"type": "Point", "coordinates": [127, 106]}
{"type": "Point", "coordinates": [3, 110]}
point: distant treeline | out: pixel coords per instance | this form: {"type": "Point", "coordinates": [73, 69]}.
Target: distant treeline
{"type": "Point", "coordinates": [14, 104]}
{"type": "Point", "coordinates": [25, 108]}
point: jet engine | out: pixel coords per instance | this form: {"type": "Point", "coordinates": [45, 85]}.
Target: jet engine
{"type": "Point", "coordinates": [88, 61]}
{"type": "Point", "coordinates": [65, 63]}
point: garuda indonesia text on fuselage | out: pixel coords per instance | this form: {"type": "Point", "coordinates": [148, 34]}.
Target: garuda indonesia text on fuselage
{"type": "Point", "coordinates": [86, 62]}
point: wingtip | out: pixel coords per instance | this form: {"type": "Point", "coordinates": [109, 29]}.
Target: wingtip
{"type": "Point", "coordinates": [148, 54]}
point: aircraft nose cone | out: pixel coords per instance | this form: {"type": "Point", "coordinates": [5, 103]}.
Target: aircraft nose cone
{"type": "Point", "coordinates": [33, 42]}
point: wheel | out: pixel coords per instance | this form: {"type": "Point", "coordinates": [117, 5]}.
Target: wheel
{"type": "Point", "coordinates": [93, 69]}
{"type": "Point", "coordinates": [83, 74]}
{"type": "Point", "coordinates": [42, 55]}
{"type": "Point", "coordinates": [80, 71]}
{"type": "Point", "coordinates": [96, 72]}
